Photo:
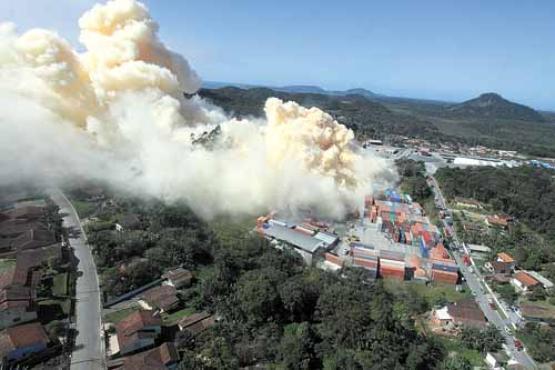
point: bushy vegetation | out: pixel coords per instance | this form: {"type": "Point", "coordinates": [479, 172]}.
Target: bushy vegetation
{"type": "Point", "coordinates": [168, 236]}
{"type": "Point", "coordinates": [277, 312]}
{"type": "Point", "coordinates": [539, 340]}
{"type": "Point", "coordinates": [525, 193]}
{"type": "Point", "coordinates": [413, 179]}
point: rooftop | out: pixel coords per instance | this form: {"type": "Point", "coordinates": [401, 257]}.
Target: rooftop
{"type": "Point", "coordinates": [163, 297]}
{"type": "Point", "coordinates": [526, 279]}
{"type": "Point", "coordinates": [158, 358]}
{"type": "Point", "coordinates": [21, 336]}
{"type": "Point", "coordinates": [130, 327]}
{"type": "Point", "coordinates": [505, 257]}
{"type": "Point", "coordinates": [467, 312]}
{"type": "Point", "coordinates": [295, 238]}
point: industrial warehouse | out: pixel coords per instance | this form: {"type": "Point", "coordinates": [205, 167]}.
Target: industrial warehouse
{"type": "Point", "coordinates": [392, 239]}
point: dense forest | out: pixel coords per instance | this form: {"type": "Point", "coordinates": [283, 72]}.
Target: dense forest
{"type": "Point", "coordinates": [525, 193]}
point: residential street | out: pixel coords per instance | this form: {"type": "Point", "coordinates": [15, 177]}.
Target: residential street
{"type": "Point", "coordinates": [477, 285]}
{"type": "Point", "coordinates": [89, 347]}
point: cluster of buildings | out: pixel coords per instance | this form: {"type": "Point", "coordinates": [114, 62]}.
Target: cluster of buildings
{"type": "Point", "coordinates": [503, 270]}
{"type": "Point", "coordinates": [28, 251]}
{"type": "Point", "coordinates": [143, 339]}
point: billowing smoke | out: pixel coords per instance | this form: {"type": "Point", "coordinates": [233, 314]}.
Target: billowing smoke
{"type": "Point", "coordinates": [118, 113]}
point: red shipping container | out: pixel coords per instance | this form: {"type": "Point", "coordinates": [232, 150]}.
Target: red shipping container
{"type": "Point", "coordinates": [387, 273]}
{"type": "Point", "coordinates": [365, 263]}
{"type": "Point", "coordinates": [333, 259]}
{"type": "Point", "coordinates": [445, 277]}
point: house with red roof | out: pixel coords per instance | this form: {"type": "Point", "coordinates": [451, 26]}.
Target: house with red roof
{"type": "Point", "coordinates": [161, 298]}
{"type": "Point", "coordinates": [524, 282]}
{"type": "Point", "coordinates": [19, 342]}
{"type": "Point", "coordinates": [159, 358]}
{"type": "Point", "coordinates": [138, 331]}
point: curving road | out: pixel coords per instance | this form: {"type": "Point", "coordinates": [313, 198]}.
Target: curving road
{"type": "Point", "coordinates": [88, 353]}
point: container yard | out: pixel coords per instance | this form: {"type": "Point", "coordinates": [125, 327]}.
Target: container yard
{"type": "Point", "coordinates": [393, 239]}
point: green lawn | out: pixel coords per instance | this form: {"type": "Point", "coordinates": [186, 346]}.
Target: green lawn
{"type": "Point", "coordinates": [453, 346]}
{"type": "Point", "coordinates": [59, 286]}
{"type": "Point", "coordinates": [117, 316]}
{"type": "Point", "coordinates": [174, 317]}
{"type": "Point", "coordinates": [84, 209]}
{"type": "Point", "coordinates": [6, 264]}
{"type": "Point", "coordinates": [431, 293]}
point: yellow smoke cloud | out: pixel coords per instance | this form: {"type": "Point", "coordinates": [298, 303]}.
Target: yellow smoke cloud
{"type": "Point", "coordinates": [125, 93]}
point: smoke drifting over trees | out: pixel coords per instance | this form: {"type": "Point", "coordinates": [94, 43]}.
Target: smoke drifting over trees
{"type": "Point", "coordinates": [117, 113]}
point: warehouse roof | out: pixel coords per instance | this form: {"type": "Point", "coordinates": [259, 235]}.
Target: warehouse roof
{"type": "Point", "coordinates": [295, 238]}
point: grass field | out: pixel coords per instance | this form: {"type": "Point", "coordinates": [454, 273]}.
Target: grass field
{"type": "Point", "coordinates": [174, 317]}
{"type": "Point", "coordinates": [431, 293]}
{"type": "Point", "coordinates": [117, 316]}
{"type": "Point", "coordinates": [59, 286]}
{"type": "Point", "coordinates": [453, 346]}
{"type": "Point", "coordinates": [6, 264]}
{"type": "Point", "coordinates": [84, 209]}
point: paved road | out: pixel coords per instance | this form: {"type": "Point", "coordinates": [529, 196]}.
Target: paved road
{"type": "Point", "coordinates": [88, 353]}
{"type": "Point", "coordinates": [482, 294]}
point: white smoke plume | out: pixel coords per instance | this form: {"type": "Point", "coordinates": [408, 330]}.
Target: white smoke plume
{"type": "Point", "coordinates": [118, 113]}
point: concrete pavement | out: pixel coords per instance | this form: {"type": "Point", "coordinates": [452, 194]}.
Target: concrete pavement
{"type": "Point", "coordinates": [88, 353]}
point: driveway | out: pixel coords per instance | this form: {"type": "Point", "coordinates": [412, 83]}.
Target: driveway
{"type": "Point", "coordinates": [88, 353]}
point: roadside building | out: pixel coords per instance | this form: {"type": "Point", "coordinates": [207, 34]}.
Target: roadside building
{"type": "Point", "coordinates": [479, 251]}
{"type": "Point", "coordinates": [524, 282]}
{"type": "Point", "coordinates": [15, 306]}
{"type": "Point", "coordinates": [20, 342]}
{"type": "Point", "coordinates": [138, 331]}
{"type": "Point", "coordinates": [161, 298]}
{"type": "Point", "coordinates": [159, 358]}
{"type": "Point", "coordinates": [547, 284]}
{"type": "Point", "coordinates": [178, 278]}
{"type": "Point", "coordinates": [498, 267]}
{"type": "Point", "coordinates": [507, 258]}
{"type": "Point", "coordinates": [462, 313]}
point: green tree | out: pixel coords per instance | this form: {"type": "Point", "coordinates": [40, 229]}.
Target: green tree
{"type": "Point", "coordinates": [297, 348]}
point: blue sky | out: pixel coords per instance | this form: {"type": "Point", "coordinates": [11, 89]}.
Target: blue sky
{"type": "Point", "coordinates": [441, 49]}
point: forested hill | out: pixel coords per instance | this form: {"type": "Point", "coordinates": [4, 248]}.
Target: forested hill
{"type": "Point", "coordinates": [367, 118]}
{"type": "Point", "coordinates": [524, 192]}
{"type": "Point", "coordinates": [380, 117]}
{"type": "Point", "coordinates": [491, 105]}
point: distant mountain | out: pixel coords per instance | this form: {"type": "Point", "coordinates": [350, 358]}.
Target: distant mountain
{"type": "Point", "coordinates": [294, 89]}
{"type": "Point", "coordinates": [492, 105]}
{"type": "Point", "coordinates": [301, 89]}
{"type": "Point", "coordinates": [361, 91]}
